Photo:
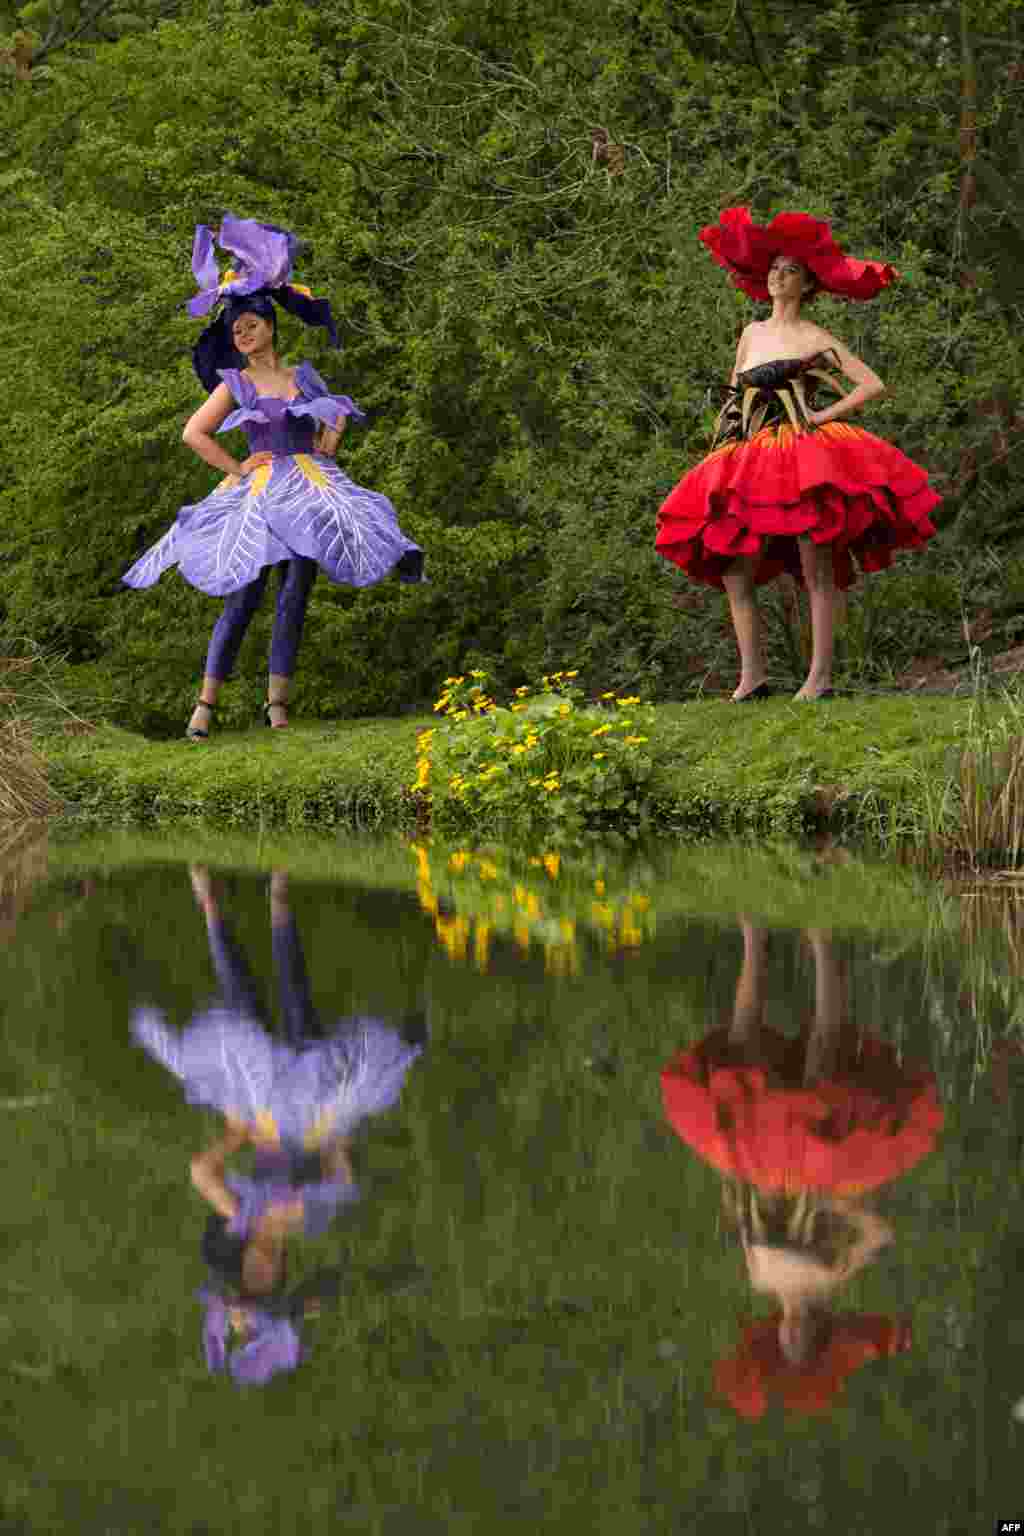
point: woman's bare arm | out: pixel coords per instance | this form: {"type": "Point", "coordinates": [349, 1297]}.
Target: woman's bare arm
{"type": "Point", "coordinates": [741, 352]}
{"type": "Point", "coordinates": [201, 426]}
{"type": "Point", "coordinates": [868, 386]}
{"type": "Point", "coordinates": [206, 1170]}
{"type": "Point", "coordinates": [328, 438]}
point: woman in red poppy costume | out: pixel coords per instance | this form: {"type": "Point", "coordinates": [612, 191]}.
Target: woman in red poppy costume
{"type": "Point", "coordinates": [789, 484]}
{"type": "Point", "coordinates": [803, 1129]}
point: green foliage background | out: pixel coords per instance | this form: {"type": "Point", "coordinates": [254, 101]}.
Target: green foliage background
{"type": "Point", "coordinates": [536, 333]}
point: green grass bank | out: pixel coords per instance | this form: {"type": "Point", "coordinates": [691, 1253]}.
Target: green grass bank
{"type": "Point", "coordinates": [884, 770]}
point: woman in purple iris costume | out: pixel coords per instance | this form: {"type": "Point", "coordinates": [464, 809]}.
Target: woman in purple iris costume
{"type": "Point", "coordinates": [288, 504]}
{"type": "Point", "coordinates": [297, 1102]}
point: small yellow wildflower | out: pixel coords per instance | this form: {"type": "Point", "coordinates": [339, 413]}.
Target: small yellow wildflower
{"type": "Point", "coordinates": [572, 674]}
{"type": "Point", "coordinates": [565, 709]}
{"type": "Point", "coordinates": [642, 903]}
{"type": "Point", "coordinates": [516, 707]}
{"type": "Point", "coordinates": [634, 741]}
{"type": "Point", "coordinates": [521, 693]}
{"type": "Point", "coordinates": [633, 699]}
{"type": "Point", "coordinates": [552, 787]}
{"type": "Point", "coordinates": [518, 751]}
{"type": "Point", "coordinates": [599, 887]}
{"type": "Point", "coordinates": [602, 730]}
{"type": "Point", "coordinates": [442, 702]}
{"type": "Point", "coordinates": [521, 934]}
{"type": "Point", "coordinates": [531, 741]}
{"type": "Point", "coordinates": [535, 863]}
{"type": "Point", "coordinates": [458, 861]}
{"type": "Point", "coordinates": [519, 894]}
{"type": "Point", "coordinates": [478, 674]}
{"type": "Point", "coordinates": [534, 783]}
{"type": "Point", "coordinates": [461, 714]}
{"type": "Point", "coordinates": [599, 755]}
{"type": "Point", "coordinates": [568, 928]}
{"type": "Point", "coordinates": [607, 695]}
{"type": "Point", "coordinates": [488, 871]}
{"type": "Point", "coordinates": [558, 676]}
{"type": "Point", "coordinates": [453, 682]}
{"type": "Point", "coordinates": [552, 863]}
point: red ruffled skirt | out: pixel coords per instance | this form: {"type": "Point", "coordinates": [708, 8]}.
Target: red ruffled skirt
{"type": "Point", "coordinates": [867, 1125]}
{"type": "Point", "coordinates": [838, 484]}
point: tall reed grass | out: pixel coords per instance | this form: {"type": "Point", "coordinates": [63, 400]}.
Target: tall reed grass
{"type": "Point", "coordinates": [31, 705]}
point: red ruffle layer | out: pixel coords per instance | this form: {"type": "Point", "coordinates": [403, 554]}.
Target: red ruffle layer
{"type": "Point", "coordinates": [838, 484]}
{"type": "Point", "coordinates": [853, 1133]}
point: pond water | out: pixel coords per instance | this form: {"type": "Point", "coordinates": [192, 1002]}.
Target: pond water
{"type": "Point", "coordinates": [677, 1192]}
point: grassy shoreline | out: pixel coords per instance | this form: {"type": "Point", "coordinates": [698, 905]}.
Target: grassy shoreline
{"type": "Point", "coordinates": [878, 769]}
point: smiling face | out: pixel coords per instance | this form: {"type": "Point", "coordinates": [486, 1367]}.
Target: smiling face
{"type": "Point", "coordinates": [252, 333]}
{"type": "Point", "coordinates": [787, 279]}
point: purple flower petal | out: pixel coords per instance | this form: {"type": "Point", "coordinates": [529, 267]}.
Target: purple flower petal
{"type": "Point", "coordinates": [204, 263]}
{"type": "Point", "coordinates": [275, 1348]}
{"type": "Point", "coordinates": [264, 251]}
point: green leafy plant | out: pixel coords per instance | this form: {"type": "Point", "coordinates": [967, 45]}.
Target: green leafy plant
{"type": "Point", "coordinates": [547, 762]}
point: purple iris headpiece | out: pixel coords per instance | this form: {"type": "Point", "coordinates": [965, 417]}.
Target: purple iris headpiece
{"type": "Point", "coordinates": [260, 278]}
{"type": "Point", "coordinates": [271, 1343]}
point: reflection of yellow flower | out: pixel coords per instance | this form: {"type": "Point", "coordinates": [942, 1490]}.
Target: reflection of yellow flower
{"type": "Point", "coordinates": [482, 945]}
{"type": "Point", "coordinates": [521, 934]}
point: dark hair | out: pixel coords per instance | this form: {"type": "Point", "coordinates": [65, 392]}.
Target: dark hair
{"type": "Point", "coordinates": [224, 1254]}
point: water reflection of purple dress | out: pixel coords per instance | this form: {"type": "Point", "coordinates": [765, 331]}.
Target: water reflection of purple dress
{"type": "Point", "coordinates": [306, 1095]}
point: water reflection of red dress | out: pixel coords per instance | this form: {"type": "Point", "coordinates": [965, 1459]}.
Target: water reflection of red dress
{"type": "Point", "coordinates": [866, 1125]}
{"type": "Point", "coordinates": [759, 1366]}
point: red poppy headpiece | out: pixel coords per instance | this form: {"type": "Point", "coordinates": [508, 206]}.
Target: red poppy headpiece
{"type": "Point", "coordinates": [759, 1370]}
{"type": "Point", "coordinates": [746, 250]}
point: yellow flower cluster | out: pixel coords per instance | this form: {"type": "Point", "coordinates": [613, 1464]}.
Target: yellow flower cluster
{"type": "Point", "coordinates": [520, 912]}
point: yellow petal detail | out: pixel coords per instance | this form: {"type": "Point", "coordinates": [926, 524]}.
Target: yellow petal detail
{"type": "Point", "coordinates": [258, 479]}
{"type": "Point", "coordinates": [312, 471]}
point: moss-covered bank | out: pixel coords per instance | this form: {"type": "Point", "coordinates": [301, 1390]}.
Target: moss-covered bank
{"type": "Point", "coordinates": [880, 768]}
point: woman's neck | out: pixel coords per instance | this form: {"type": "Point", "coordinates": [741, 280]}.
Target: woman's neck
{"type": "Point", "coordinates": [786, 314]}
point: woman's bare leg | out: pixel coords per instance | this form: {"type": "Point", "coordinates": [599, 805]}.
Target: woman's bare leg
{"type": "Point", "coordinates": [746, 621]}
{"type": "Point", "coordinates": [816, 565]}
{"type": "Point", "coordinates": [822, 1060]}
{"type": "Point", "coordinates": [748, 1008]}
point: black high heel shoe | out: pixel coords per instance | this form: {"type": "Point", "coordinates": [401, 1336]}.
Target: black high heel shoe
{"type": "Point", "coordinates": [762, 691]}
{"type": "Point", "coordinates": [192, 732]}
{"type": "Point", "coordinates": [270, 704]}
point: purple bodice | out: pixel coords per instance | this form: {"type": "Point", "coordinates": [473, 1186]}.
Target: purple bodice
{"type": "Point", "coordinates": [275, 425]}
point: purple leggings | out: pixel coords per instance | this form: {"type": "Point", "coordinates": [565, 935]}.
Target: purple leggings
{"type": "Point", "coordinates": [296, 577]}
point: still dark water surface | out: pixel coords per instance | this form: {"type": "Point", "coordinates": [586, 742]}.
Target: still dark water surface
{"type": "Point", "coordinates": [390, 1189]}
